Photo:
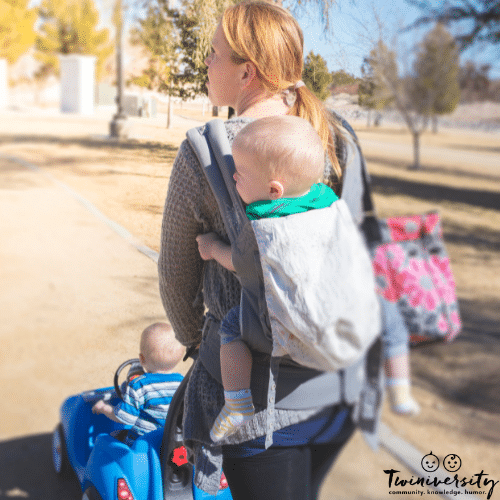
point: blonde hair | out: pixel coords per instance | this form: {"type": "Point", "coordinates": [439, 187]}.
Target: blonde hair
{"type": "Point", "coordinates": [160, 348]}
{"type": "Point", "coordinates": [286, 148]}
{"type": "Point", "coordinates": [269, 36]}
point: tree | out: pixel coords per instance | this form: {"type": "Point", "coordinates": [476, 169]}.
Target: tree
{"type": "Point", "coordinates": [474, 82]}
{"type": "Point", "coordinates": [481, 17]}
{"type": "Point", "coordinates": [340, 78]}
{"type": "Point", "coordinates": [16, 29]}
{"type": "Point", "coordinates": [385, 74]}
{"type": "Point", "coordinates": [192, 78]}
{"type": "Point", "coordinates": [70, 27]}
{"type": "Point", "coordinates": [316, 75]}
{"type": "Point", "coordinates": [436, 69]}
{"type": "Point", "coordinates": [157, 34]}
{"type": "Point", "coordinates": [162, 33]}
{"type": "Point", "coordinates": [432, 87]}
{"type": "Point", "coordinates": [372, 93]}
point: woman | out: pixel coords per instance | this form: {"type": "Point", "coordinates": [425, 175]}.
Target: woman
{"type": "Point", "coordinates": [255, 66]}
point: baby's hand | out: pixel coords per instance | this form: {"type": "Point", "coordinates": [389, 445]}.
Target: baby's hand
{"type": "Point", "coordinates": [205, 245]}
{"type": "Point", "coordinates": [98, 407]}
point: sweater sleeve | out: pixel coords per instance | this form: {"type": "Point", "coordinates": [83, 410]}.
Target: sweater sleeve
{"type": "Point", "coordinates": [180, 266]}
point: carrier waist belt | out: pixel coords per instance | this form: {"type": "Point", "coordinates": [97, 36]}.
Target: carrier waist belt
{"type": "Point", "coordinates": [298, 388]}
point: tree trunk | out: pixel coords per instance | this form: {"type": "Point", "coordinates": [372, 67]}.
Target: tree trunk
{"type": "Point", "coordinates": [215, 111]}
{"type": "Point", "coordinates": [434, 124]}
{"type": "Point", "coordinates": [425, 122]}
{"type": "Point", "coordinates": [369, 118]}
{"type": "Point", "coordinates": [416, 150]}
{"type": "Point", "coordinates": [169, 111]}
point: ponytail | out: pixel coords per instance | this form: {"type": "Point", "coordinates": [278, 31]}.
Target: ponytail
{"type": "Point", "coordinates": [309, 107]}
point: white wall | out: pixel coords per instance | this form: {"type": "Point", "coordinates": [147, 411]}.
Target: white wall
{"type": "Point", "coordinates": [77, 84]}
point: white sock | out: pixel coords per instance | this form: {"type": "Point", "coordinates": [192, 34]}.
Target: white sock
{"type": "Point", "coordinates": [237, 410]}
{"type": "Point", "coordinates": [400, 396]}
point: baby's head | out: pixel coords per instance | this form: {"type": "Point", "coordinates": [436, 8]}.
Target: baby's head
{"type": "Point", "coordinates": [277, 156]}
{"type": "Point", "coordinates": [160, 350]}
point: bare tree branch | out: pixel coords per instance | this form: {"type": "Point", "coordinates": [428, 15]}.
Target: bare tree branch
{"type": "Point", "coordinates": [483, 14]}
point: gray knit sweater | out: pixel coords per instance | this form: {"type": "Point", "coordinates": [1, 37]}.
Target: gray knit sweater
{"type": "Point", "coordinates": [188, 285]}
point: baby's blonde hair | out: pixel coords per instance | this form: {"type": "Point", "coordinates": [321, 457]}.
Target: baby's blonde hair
{"type": "Point", "coordinates": [287, 148]}
{"type": "Point", "coordinates": [161, 350]}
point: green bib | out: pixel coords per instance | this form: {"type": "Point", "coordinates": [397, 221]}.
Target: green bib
{"type": "Point", "coordinates": [319, 196]}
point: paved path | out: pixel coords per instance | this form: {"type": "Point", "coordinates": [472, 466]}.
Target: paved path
{"type": "Point", "coordinates": [74, 296]}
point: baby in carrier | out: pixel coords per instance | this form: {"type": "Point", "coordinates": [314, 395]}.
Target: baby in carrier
{"type": "Point", "coordinates": [278, 161]}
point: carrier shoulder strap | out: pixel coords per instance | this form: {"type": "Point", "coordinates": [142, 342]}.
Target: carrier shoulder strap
{"type": "Point", "coordinates": [212, 148]}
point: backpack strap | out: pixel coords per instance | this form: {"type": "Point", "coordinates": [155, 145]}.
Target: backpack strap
{"type": "Point", "coordinates": [369, 406]}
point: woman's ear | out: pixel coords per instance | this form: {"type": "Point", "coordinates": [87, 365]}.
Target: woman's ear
{"type": "Point", "coordinates": [276, 190]}
{"type": "Point", "coordinates": [249, 72]}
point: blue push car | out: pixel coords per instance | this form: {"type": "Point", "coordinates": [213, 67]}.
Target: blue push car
{"type": "Point", "coordinates": [155, 467]}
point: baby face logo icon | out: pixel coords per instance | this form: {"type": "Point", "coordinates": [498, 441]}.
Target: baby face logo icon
{"type": "Point", "coordinates": [452, 462]}
{"type": "Point", "coordinates": [430, 462]}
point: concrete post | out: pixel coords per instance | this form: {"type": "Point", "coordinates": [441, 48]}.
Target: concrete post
{"type": "Point", "coordinates": [77, 83]}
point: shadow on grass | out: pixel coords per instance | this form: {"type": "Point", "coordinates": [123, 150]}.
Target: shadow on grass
{"type": "Point", "coordinates": [110, 152]}
{"type": "Point", "coordinates": [402, 131]}
{"type": "Point", "coordinates": [474, 147]}
{"type": "Point", "coordinates": [53, 163]}
{"type": "Point", "coordinates": [480, 238]}
{"type": "Point", "coordinates": [90, 142]}
{"type": "Point", "coordinates": [433, 192]}
{"type": "Point", "coordinates": [465, 372]}
{"type": "Point", "coordinates": [150, 209]}
{"type": "Point", "coordinates": [382, 131]}
{"type": "Point", "coordinates": [402, 166]}
{"type": "Point", "coordinates": [26, 471]}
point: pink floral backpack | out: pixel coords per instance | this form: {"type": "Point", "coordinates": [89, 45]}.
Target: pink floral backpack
{"type": "Point", "coordinates": [412, 267]}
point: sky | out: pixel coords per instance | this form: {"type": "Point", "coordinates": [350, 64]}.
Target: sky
{"type": "Point", "coordinates": [354, 30]}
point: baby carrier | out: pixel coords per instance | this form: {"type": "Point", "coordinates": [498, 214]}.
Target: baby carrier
{"type": "Point", "coordinates": [308, 296]}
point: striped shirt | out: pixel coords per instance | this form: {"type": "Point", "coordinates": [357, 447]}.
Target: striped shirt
{"type": "Point", "coordinates": [145, 402]}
